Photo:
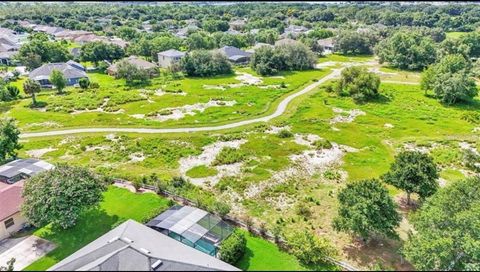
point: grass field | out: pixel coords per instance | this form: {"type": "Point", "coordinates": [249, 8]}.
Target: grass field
{"type": "Point", "coordinates": [118, 206]}
{"type": "Point", "coordinates": [344, 58]}
{"type": "Point", "coordinates": [262, 255]}
{"type": "Point", "coordinates": [115, 104]}
{"type": "Point", "coordinates": [402, 117]}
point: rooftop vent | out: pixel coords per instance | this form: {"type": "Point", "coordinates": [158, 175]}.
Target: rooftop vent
{"type": "Point", "coordinates": [127, 240]}
{"type": "Point", "coordinates": [112, 240]}
{"type": "Point", "coordinates": [146, 251]}
{"type": "Point", "coordinates": [156, 264]}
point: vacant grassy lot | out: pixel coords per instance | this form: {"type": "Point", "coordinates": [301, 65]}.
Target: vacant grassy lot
{"type": "Point", "coordinates": [162, 103]}
{"type": "Point", "coordinates": [118, 206]}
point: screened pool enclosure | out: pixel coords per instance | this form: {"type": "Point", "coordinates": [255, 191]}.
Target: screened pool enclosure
{"type": "Point", "coordinates": [194, 227]}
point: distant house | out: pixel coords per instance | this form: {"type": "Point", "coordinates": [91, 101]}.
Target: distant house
{"type": "Point", "coordinates": [134, 247]}
{"type": "Point", "coordinates": [183, 32]}
{"type": "Point", "coordinates": [167, 58]}
{"type": "Point", "coordinates": [75, 52]}
{"type": "Point", "coordinates": [294, 31]}
{"type": "Point", "coordinates": [235, 55]}
{"type": "Point", "coordinates": [194, 227]}
{"type": "Point", "coordinates": [51, 30]}
{"type": "Point", "coordinates": [72, 71]}
{"type": "Point", "coordinates": [139, 62]}
{"type": "Point", "coordinates": [285, 41]}
{"type": "Point", "coordinates": [7, 57]}
{"type": "Point", "coordinates": [328, 45]}
{"type": "Point", "coordinates": [256, 46]}
{"type": "Point", "coordinates": [12, 176]}
{"type": "Point", "coordinates": [238, 24]}
{"type": "Point", "coordinates": [71, 34]}
{"type": "Point", "coordinates": [86, 38]}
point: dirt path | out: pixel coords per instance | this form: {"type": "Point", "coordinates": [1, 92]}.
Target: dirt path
{"type": "Point", "coordinates": [281, 108]}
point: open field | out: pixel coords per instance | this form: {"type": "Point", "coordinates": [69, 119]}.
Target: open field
{"type": "Point", "coordinates": [163, 103]}
{"type": "Point", "coordinates": [270, 173]}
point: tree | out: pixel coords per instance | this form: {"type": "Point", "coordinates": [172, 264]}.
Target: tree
{"type": "Point", "coordinates": [413, 172]}
{"type": "Point", "coordinates": [366, 209]}
{"type": "Point", "coordinates": [309, 248]}
{"type": "Point", "coordinates": [10, 265]}
{"type": "Point", "coordinates": [233, 248]}
{"type": "Point", "coordinates": [450, 79]}
{"type": "Point", "coordinates": [58, 80]}
{"type": "Point", "coordinates": [351, 42]}
{"type": "Point", "coordinates": [99, 51]}
{"type": "Point", "coordinates": [13, 91]}
{"type": "Point", "coordinates": [407, 50]}
{"type": "Point", "coordinates": [32, 87]}
{"type": "Point", "coordinates": [211, 25]}
{"type": "Point", "coordinates": [472, 40]}
{"type": "Point", "coordinates": [447, 229]}
{"type": "Point", "coordinates": [131, 73]}
{"type": "Point", "coordinates": [39, 50]}
{"type": "Point", "coordinates": [205, 63]}
{"type": "Point", "coordinates": [296, 56]}
{"type": "Point", "coordinates": [60, 195]}
{"type": "Point", "coordinates": [9, 135]}
{"type": "Point", "coordinates": [84, 83]}
{"type": "Point", "coordinates": [358, 83]}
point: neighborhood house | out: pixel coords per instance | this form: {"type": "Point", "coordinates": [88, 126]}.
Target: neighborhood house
{"type": "Point", "coordinates": [134, 60]}
{"type": "Point", "coordinates": [135, 247]}
{"type": "Point", "coordinates": [72, 71]}
{"type": "Point", "coordinates": [194, 227]}
{"type": "Point", "coordinates": [12, 178]}
{"type": "Point", "coordinates": [235, 55]}
{"type": "Point", "coordinates": [167, 58]}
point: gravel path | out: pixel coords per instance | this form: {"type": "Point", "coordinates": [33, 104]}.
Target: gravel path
{"type": "Point", "coordinates": [278, 112]}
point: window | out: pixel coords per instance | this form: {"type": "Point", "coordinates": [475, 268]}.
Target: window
{"type": "Point", "coordinates": [9, 222]}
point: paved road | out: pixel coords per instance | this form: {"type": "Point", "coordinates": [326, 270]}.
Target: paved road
{"type": "Point", "coordinates": [278, 112]}
{"type": "Point", "coordinates": [25, 251]}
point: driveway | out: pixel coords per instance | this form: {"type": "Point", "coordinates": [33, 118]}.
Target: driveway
{"type": "Point", "coordinates": [25, 250]}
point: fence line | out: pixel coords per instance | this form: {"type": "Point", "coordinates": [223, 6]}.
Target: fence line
{"type": "Point", "coordinates": [232, 220]}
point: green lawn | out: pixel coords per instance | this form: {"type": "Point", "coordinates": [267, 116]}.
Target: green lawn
{"type": "Point", "coordinates": [117, 206]}
{"type": "Point", "coordinates": [201, 171]}
{"type": "Point", "coordinates": [455, 34]}
{"type": "Point", "coordinates": [262, 255]}
{"type": "Point", "coordinates": [345, 58]}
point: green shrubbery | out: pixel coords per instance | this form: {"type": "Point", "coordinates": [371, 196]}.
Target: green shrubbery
{"type": "Point", "coordinates": [229, 155]}
{"type": "Point", "coordinates": [358, 83]}
{"type": "Point", "coordinates": [309, 248]}
{"type": "Point", "coordinates": [233, 247]}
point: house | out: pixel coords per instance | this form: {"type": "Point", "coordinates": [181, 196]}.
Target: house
{"type": "Point", "coordinates": [135, 247]}
{"type": "Point", "coordinates": [11, 219]}
{"type": "Point", "coordinates": [117, 41]}
{"type": "Point", "coordinates": [12, 176]}
{"type": "Point", "coordinates": [256, 46]}
{"type": "Point", "coordinates": [167, 58]}
{"type": "Point", "coordinates": [235, 55]}
{"type": "Point", "coordinates": [7, 57]}
{"type": "Point", "coordinates": [193, 227]}
{"type": "Point", "coordinates": [294, 31]}
{"type": "Point", "coordinates": [328, 45]}
{"type": "Point", "coordinates": [76, 52]}
{"type": "Point", "coordinates": [139, 62]}
{"type": "Point", "coordinates": [238, 24]}
{"type": "Point", "coordinates": [183, 32]}
{"type": "Point", "coordinates": [285, 41]}
{"type": "Point", "coordinates": [86, 38]}
{"type": "Point", "coordinates": [72, 71]}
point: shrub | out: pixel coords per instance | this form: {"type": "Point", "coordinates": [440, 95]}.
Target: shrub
{"type": "Point", "coordinates": [221, 208]}
{"type": "Point", "coordinates": [229, 155]}
{"type": "Point", "coordinates": [471, 160]}
{"type": "Point", "coordinates": [284, 133]}
{"type": "Point", "coordinates": [358, 83]}
{"type": "Point", "coordinates": [94, 85]}
{"type": "Point", "coordinates": [309, 248]}
{"type": "Point", "coordinates": [84, 83]}
{"type": "Point", "coordinates": [205, 63]}
{"type": "Point", "coordinates": [322, 144]}
{"type": "Point", "coordinates": [233, 248]}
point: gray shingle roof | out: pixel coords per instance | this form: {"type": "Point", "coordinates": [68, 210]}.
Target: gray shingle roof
{"type": "Point", "coordinates": [139, 62]}
{"type": "Point", "coordinates": [135, 247]}
{"type": "Point", "coordinates": [172, 53]}
{"type": "Point", "coordinates": [44, 71]}
{"type": "Point", "coordinates": [29, 167]}
{"type": "Point", "coordinates": [234, 53]}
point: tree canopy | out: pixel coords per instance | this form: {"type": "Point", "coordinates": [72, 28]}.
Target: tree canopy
{"type": "Point", "coordinates": [205, 63]}
{"type": "Point", "coordinates": [447, 229]}
{"type": "Point", "coordinates": [366, 209]}
{"type": "Point", "coordinates": [60, 195]}
{"type": "Point", "coordinates": [358, 83]}
{"type": "Point", "coordinates": [9, 136]}
{"type": "Point", "coordinates": [413, 172]}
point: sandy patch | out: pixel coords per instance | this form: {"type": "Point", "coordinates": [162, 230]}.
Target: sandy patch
{"type": "Point", "coordinates": [48, 124]}
{"type": "Point", "coordinates": [136, 157]}
{"type": "Point", "coordinates": [214, 87]}
{"type": "Point", "coordinates": [99, 147]}
{"type": "Point", "coordinates": [99, 109]}
{"type": "Point", "coordinates": [207, 157]}
{"type": "Point", "coordinates": [307, 139]}
{"type": "Point", "coordinates": [38, 153]}
{"type": "Point", "coordinates": [112, 137]}
{"type": "Point", "coordinates": [387, 125]}
{"type": "Point", "coordinates": [281, 202]}
{"type": "Point", "coordinates": [422, 149]}
{"type": "Point", "coordinates": [280, 77]}
{"type": "Point", "coordinates": [345, 116]}
{"type": "Point", "coordinates": [180, 112]}
{"type": "Point", "coordinates": [276, 130]}
{"type": "Point", "coordinates": [249, 79]}
{"type": "Point", "coordinates": [468, 146]}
